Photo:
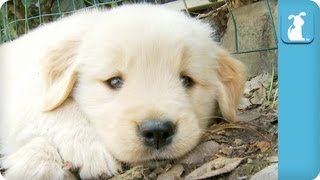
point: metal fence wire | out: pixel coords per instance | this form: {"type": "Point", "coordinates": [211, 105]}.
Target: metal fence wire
{"type": "Point", "coordinates": [18, 17]}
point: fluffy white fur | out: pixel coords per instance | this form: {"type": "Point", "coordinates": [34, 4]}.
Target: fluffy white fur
{"type": "Point", "coordinates": [57, 108]}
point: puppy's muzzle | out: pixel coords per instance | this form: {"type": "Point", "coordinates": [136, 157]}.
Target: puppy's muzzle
{"type": "Point", "coordinates": [157, 133]}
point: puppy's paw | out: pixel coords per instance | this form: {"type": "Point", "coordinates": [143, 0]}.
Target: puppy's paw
{"type": "Point", "coordinates": [91, 158]}
{"type": "Point", "coordinates": [99, 163]}
{"type": "Point", "coordinates": [37, 160]}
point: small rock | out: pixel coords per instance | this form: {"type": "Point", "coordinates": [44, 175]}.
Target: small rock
{"type": "Point", "coordinates": [238, 142]}
{"type": "Point", "coordinates": [159, 170]}
{"type": "Point", "coordinates": [215, 167]}
{"type": "Point", "coordinates": [249, 160]}
{"type": "Point", "coordinates": [228, 133]}
{"type": "Point", "coordinates": [263, 146]}
{"type": "Point", "coordinates": [147, 178]}
{"type": "Point", "coordinates": [201, 153]}
{"type": "Point", "coordinates": [240, 149]}
{"type": "Point", "coordinates": [174, 173]}
{"type": "Point", "coordinates": [248, 116]}
{"type": "Point", "coordinates": [222, 132]}
{"type": "Point", "coordinates": [242, 178]}
{"type": "Point", "coordinates": [168, 167]}
{"type": "Point", "coordinates": [255, 91]}
{"type": "Point", "coordinates": [133, 173]}
{"type": "Point", "coordinates": [153, 175]}
{"type": "Point", "coordinates": [146, 173]}
{"type": "Point", "coordinates": [268, 173]}
{"type": "Point", "coordinates": [273, 159]}
{"type": "Point", "coordinates": [218, 165]}
{"type": "Point", "coordinates": [259, 156]}
{"type": "Point", "coordinates": [227, 150]}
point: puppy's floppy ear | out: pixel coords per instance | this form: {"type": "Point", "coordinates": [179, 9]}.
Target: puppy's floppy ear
{"type": "Point", "coordinates": [290, 17]}
{"type": "Point", "coordinates": [59, 73]}
{"type": "Point", "coordinates": [232, 76]}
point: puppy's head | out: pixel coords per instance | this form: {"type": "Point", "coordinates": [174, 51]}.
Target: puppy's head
{"type": "Point", "coordinates": [148, 79]}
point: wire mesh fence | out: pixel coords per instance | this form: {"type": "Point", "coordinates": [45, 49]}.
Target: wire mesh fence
{"type": "Point", "coordinates": [18, 17]}
{"type": "Point", "coordinates": [236, 37]}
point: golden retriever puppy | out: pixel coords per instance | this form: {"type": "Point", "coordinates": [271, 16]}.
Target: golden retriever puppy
{"type": "Point", "coordinates": [137, 84]}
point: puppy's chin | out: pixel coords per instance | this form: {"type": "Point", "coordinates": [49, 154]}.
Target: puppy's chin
{"type": "Point", "coordinates": [139, 154]}
{"type": "Point", "coordinates": [154, 159]}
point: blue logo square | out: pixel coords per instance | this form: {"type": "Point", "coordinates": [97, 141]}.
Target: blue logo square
{"type": "Point", "coordinates": [297, 26]}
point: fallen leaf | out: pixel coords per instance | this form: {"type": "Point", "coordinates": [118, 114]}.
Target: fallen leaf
{"type": "Point", "coordinates": [238, 142]}
{"type": "Point", "coordinates": [201, 153]}
{"type": "Point", "coordinates": [244, 103]}
{"type": "Point", "coordinates": [227, 150]}
{"type": "Point", "coordinates": [168, 167]}
{"type": "Point", "coordinates": [269, 172]}
{"type": "Point", "coordinates": [263, 146]}
{"type": "Point", "coordinates": [146, 173]}
{"type": "Point", "coordinates": [134, 173]}
{"type": "Point", "coordinates": [158, 170]}
{"type": "Point", "coordinates": [174, 173]}
{"type": "Point", "coordinates": [215, 167]}
{"type": "Point", "coordinates": [255, 92]}
{"type": "Point", "coordinates": [248, 116]}
{"type": "Point", "coordinates": [263, 79]}
{"type": "Point", "coordinates": [152, 176]}
{"type": "Point", "coordinates": [273, 159]}
{"type": "Point", "coordinates": [258, 95]}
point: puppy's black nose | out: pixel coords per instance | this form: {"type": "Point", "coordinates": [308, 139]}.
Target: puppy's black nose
{"type": "Point", "coordinates": [156, 133]}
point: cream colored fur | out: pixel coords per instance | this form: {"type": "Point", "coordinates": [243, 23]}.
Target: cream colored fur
{"type": "Point", "coordinates": [57, 106]}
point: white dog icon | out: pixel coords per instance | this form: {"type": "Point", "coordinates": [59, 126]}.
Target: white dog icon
{"type": "Point", "coordinates": [295, 30]}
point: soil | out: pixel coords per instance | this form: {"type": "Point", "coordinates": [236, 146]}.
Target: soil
{"type": "Point", "coordinates": [258, 151]}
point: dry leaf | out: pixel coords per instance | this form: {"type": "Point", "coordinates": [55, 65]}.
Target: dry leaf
{"type": "Point", "coordinates": [227, 150]}
{"type": "Point", "coordinates": [201, 153]}
{"type": "Point", "coordinates": [134, 173]}
{"type": "Point", "coordinates": [248, 116]}
{"type": "Point", "coordinates": [255, 91]}
{"type": "Point", "coordinates": [174, 173]}
{"type": "Point", "coordinates": [215, 167]}
{"type": "Point", "coordinates": [273, 159]}
{"type": "Point", "coordinates": [159, 170]}
{"type": "Point", "coordinates": [263, 146]}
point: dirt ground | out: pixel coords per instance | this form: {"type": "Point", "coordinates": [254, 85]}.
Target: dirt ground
{"type": "Point", "coordinates": [257, 151]}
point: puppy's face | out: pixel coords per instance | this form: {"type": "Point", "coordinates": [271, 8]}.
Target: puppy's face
{"type": "Point", "coordinates": [150, 85]}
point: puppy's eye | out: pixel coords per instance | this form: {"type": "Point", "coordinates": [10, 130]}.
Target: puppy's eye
{"type": "Point", "coordinates": [187, 81]}
{"type": "Point", "coordinates": [115, 83]}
